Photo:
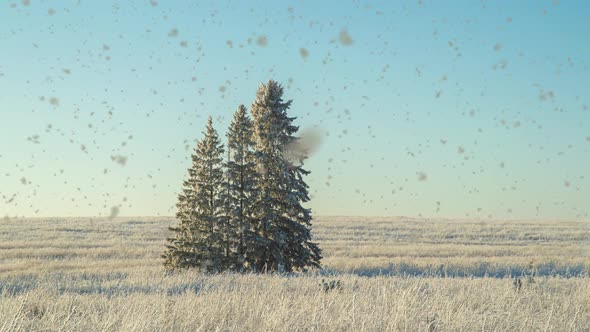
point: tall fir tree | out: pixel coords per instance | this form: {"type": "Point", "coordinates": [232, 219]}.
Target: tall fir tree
{"type": "Point", "coordinates": [282, 223]}
{"type": "Point", "coordinates": [241, 179]}
{"type": "Point", "coordinates": [200, 238]}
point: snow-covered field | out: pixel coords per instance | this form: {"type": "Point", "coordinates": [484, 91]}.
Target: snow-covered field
{"type": "Point", "coordinates": [395, 274]}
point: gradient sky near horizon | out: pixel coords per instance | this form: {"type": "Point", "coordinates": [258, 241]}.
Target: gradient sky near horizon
{"type": "Point", "coordinates": [450, 109]}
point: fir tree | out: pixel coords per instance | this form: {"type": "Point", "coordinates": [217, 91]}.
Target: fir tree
{"type": "Point", "coordinates": [241, 180]}
{"type": "Point", "coordinates": [282, 223]}
{"type": "Point", "coordinates": [200, 238]}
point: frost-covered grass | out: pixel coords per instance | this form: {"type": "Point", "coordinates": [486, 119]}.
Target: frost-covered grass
{"type": "Point", "coordinates": [396, 274]}
{"type": "Point", "coordinates": [362, 246]}
{"type": "Point", "coordinates": [192, 302]}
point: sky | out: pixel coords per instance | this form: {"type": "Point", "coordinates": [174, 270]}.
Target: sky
{"type": "Point", "coordinates": [438, 109]}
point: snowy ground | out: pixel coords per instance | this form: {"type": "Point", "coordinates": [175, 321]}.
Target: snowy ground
{"type": "Point", "coordinates": [396, 273]}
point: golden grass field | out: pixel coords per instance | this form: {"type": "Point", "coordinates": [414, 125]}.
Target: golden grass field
{"type": "Point", "coordinates": [90, 274]}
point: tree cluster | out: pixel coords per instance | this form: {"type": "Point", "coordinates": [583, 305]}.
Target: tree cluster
{"type": "Point", "coordinates": [240, 208]}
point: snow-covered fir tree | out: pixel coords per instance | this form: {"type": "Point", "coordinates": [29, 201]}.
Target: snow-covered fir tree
{"type": "Point", "coordinates": [283, 224]}
{"type": "Point", "coordinates": [241, 180]}
{"type": "Point", "coordinates": [200, 239]}
{"type": "Point", "coordinates": [247, 213]}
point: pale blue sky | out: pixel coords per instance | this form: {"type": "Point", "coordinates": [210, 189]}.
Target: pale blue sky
{"type": "Point", "coordinates": [438, 108]}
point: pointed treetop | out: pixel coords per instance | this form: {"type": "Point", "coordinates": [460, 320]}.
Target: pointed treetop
{"type": "Point", "coordinates": [241, 112]}
{"type": "Point", "coordinates": [241, 120]}
{"type": "Point", "coordinates": [210, 131]}
{"type": "Point", "coordinates": [209, 123]}
{"type": "Point", "coordinates": [240, 116]}
{"type": "Point", "coordinates": [239, 133]}
{"type": "Point", "coordinates": [270, 95]}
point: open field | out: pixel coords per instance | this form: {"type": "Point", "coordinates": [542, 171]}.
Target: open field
{"type": "Point", "coordinates": [358, 245]}
{"type": "Point", "coordinates": [396, 274]}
